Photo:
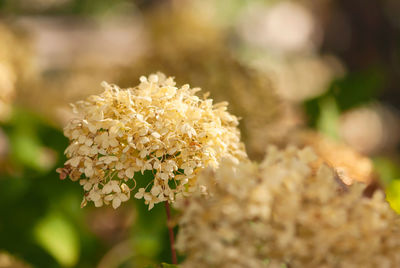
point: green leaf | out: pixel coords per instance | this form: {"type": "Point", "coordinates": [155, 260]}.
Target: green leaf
{"type": "Point", "coordinates": [393, 195]}
{"type": "Point", "coordinates": [387, 169]}
{"type": "Point", "coordinates": [389, 174]}
{"type": "Point", "coordinates": [327, 122]}
{"type": "Point", "coordinates": [166, 265]}
{"type": "Point", "coordinates": [358, 88]}
{"type": "Point", "coordinates": [59, 238]}
{"type": "Point", "coordinates": [26, 149]}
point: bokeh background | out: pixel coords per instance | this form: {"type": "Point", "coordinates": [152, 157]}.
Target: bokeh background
{"type": "Point", "coordinates": [323, 73]}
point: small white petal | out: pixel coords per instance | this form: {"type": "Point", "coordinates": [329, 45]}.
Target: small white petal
{"type": "Point", "coordinates": [147, 197]}
{"type": "Point", "coordinates": [156, 135]}
{"type": "Point", "coordinates": [87, 186]}
{"type": "Point", "coordinates": [107, 189]}
{"type": "Point", "coordinates": [116, 188]}
{"type": "Point", "coordinates": [74, 161]}
{"type": "Point", "coordinates": [98, 203]}
{"type": "Point", "coordinates": [116, 202]}
{"type": "Point", "coordinates": [155, 190]}
{"type": "Point", "coordinates": [123, 197]}
{"type": "Point", "coordinates": [94, 196]}
{"type": "Point", "coordinates": [130, 172]}
{"type": "Point", "coordinates": [89, 172]}
{"type": "Point", "coordinates": [188, 171]}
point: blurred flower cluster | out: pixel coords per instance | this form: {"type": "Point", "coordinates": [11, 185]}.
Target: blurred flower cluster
{"type": "Point", "coordinates": [287, 210]}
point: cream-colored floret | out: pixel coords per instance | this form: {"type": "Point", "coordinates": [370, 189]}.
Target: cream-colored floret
{"type": "Point", "coordinates": [155, 126]}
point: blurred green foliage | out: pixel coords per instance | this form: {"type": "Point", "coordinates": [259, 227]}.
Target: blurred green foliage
{"type": "Point", "coordinates": [353, 90]}
{"type": "Point", "coordinates": [327, 122]}
{"type": "Point", "coordinates": [393, 194]}
{"type": "Point", "coordinates": [67, 7]}
{"type": "Point", "coordinates": [41, 219]}
{"type": "Point", "coordinates": [389, 173]}
{"type": "Point", "coordinates": [54, 228]}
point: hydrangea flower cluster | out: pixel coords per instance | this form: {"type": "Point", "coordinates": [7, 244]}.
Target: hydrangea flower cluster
{"type": "Point", "coordinates": [154, 126]}
{"type": "Point", "coordinates": [287, 210]}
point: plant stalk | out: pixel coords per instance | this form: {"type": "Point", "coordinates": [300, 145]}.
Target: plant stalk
{"type": "Point", "coordinates": [171, 233]}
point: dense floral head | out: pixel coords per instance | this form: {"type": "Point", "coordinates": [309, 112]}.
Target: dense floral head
{"type": "Point", "coordinates": [156, 126]}
{"type": "Point", "coordinates": [287, 210]}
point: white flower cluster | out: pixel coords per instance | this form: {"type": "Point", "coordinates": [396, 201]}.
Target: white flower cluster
{"type": "Point", "coordinates": [155, 126]}
{"type": "Point", "coordinates": [287, 210]}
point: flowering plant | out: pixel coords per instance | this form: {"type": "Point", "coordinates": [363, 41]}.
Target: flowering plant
{"type": "Point", "coordinates": [156, 127]}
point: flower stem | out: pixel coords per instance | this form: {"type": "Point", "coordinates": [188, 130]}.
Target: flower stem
{"type": "Point", "coordinates": [171, 234]}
